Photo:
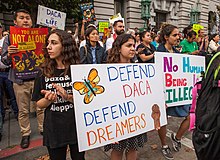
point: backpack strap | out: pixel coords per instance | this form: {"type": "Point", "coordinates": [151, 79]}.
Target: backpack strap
{"type": "Point", "coordinates": [216, 82]}
{"type": "Point", "coordinates": [216, 55]}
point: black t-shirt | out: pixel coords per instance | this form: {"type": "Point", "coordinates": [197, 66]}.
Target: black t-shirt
{"type": "Point", "coordinates": [147, 51]}
{"type": "Point", "coordinates": [59, 118]}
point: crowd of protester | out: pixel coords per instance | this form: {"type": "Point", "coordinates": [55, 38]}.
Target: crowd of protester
{"type": "Point", "coordinates": [86, 48]}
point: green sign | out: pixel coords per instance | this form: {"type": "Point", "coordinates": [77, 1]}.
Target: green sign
{"type": "Point", "coordinates": [103, 25]}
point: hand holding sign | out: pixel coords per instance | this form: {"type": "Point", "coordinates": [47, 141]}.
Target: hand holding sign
{"type": "Point", "coordinates": [156, 116]}
{"type": "Point", "coordinates": [12, 50]}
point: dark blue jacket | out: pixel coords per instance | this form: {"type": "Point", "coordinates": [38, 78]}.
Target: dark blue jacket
{"type": "Point", "coordinates": [161, 48]}
{"type": "Point", "coordinates": [86, 54]}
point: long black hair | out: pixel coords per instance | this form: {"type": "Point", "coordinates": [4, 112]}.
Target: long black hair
{"type": "Point", "coordinates": [166, 31]}
{"type": "Point", "coordinates": [70, 53]}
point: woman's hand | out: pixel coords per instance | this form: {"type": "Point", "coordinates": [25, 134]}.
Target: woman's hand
{"type": "Point", "coordinates": [63, 93]}
{"type": "Point", "coordinates": [50, 96]}
{"type": "Point", "coordinates": [60, 91]}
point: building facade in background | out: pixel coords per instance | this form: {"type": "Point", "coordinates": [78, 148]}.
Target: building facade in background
{"type": "Point", "coordinates": [177, 12]}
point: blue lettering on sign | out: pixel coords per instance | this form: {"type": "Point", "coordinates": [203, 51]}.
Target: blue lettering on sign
{"type": "Point", "coordinates": [128, 72]}
{"type": "Point", "coordinates": [51, 22]}
{"type": "Point", "coordinates": [53, 13]}
{"type": "Point", "coordinates": [99, 116]}
{"type": "Point", "coordinates": [187, 67]}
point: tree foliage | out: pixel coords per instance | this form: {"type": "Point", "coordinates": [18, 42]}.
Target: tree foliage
{"type": "Point", "coordinates": [70, 7]}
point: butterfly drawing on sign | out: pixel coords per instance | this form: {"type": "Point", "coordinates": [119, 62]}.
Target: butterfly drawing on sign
{"type": "Point", "coordinates": [89, 87]}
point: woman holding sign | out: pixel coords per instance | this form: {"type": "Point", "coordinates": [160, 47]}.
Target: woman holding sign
{"type": "Point", "coordinates": [59, 121]}
{"type": "Point", "coordinates": [123, 51]}
{"type": "Point", "coordinates": [169, 38]}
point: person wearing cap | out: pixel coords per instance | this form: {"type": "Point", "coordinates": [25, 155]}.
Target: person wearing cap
{"type": "Point", "coordinates": [119, 28]}
{"type": "Point", "coordinates": [6, 86]}
{"type": "Point", "coordinates": [23, 88]}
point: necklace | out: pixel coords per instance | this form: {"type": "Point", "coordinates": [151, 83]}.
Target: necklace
{"type": "Point", "coordinates": [170, 50]}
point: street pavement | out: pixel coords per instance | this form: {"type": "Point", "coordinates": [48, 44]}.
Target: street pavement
{"type": "Point", "coordinates": [10, 149]}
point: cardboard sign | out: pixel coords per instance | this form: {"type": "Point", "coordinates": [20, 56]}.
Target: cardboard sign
{"type": "Point", "coordinates": [51, 17]}
{"type": "Point", "coordinates": [102, 26]}
{"type": "Point", "coordinates": [116, 17]}
{"type": "Point", "coordinates": [181, 72]}
{"type": "Point", "coordinates": [197, 27]}
{"type": "Point", "coordinates": [29, 42]}
{"type": "Point", "coordinates": [113, 102]}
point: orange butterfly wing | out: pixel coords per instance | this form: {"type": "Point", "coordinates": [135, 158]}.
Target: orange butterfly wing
{"type": "Point", "coordinates": [93, 77]}
{"type": "Point", "coordinates": [88, 98]}
{"type": "Point", "coordinates": [89, 87]}
{"type": "Point", "coordinates": [81, 87]}
{"type": "Point", "coordinates": [99, 89]}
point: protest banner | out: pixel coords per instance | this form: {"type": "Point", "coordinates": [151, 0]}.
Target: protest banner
{"type": "Point", "coordinates": [116, 17]}
{"type": "Point", "coordinates": [87, 10]}
{"type": "Point", "coordinates": [113, 102]}
{"type": "Point", "coordinates": [51, 17]}
{"type": "Point", "coordinates": [180, 73]}
{"type": "Point", "coordinates": [102, 26]}
{"type": "Point", "coordinates": [29, 42]}
{"type": "Point", "coordinates": [197, 27]}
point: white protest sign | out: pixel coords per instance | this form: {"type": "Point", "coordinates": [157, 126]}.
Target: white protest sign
{"type": "Point", "coordinates": [113, 102]}
{"type": "Point", "coordinates": [181, 72]}
{"type": "Point", "coordinates": [115, 17]}
{"type": "Point", "coordinates": [50, 17]}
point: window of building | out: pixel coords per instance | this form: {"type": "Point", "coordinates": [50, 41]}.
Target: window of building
{"type": "Point", "coordinates": [119, 7]}
{"type": "Point", "coordinates": [159, 19]}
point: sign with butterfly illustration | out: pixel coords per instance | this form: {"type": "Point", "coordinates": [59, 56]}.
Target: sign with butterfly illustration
{"type": "Point", "coordinates": [116, 101]}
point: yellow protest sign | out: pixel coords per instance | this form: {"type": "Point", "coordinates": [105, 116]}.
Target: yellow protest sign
{"type": "Point", "coordinates": [102, 26]}
{"type": "Point", "coordinates": [197, 27]}
{"type": "Point", "coordinates": [23, 46]}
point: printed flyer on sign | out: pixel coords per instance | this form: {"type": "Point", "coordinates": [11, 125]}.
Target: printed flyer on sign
{"type": "Point", "coordinates": [181, 72]}
{"type": "Point", "coordinates": [87, 10]}
{"type": "Point", "coordinates": [116, 101]}
{"type": "Point", "coordinates": [29, 42]}
{"type": "Point", "coordinates": [51, 17]}
{"type": "Point", "coordinates": [103, 26]}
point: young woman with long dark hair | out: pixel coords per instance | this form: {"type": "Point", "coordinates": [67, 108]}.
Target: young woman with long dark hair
{"type": "Point", "coordinates": [53, 91]}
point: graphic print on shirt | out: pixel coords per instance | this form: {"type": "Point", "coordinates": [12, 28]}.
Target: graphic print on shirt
{"type": "Point", "coordinates": [89, 87]}
{"type": "Point", "coordinates": [60, 105]}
